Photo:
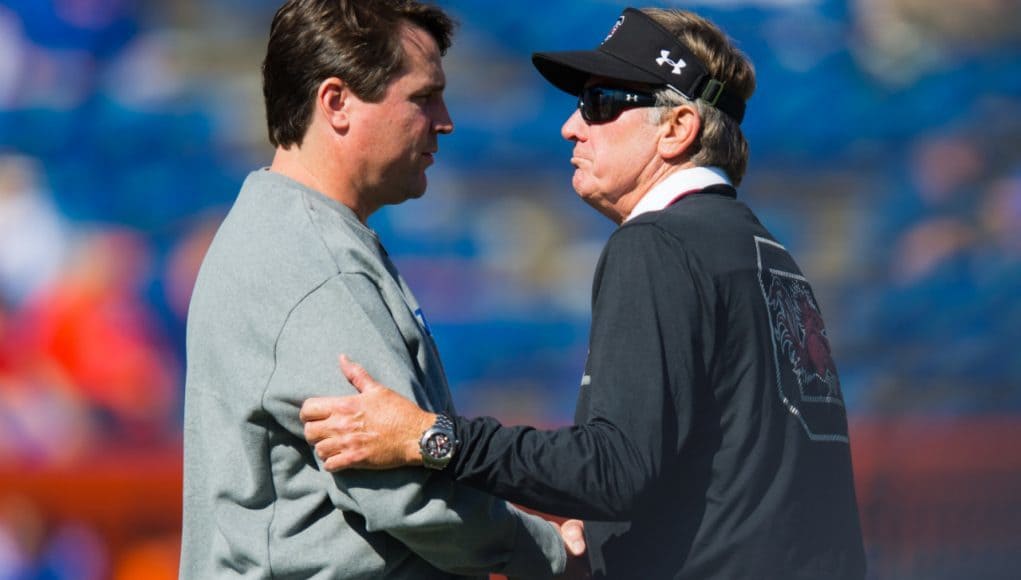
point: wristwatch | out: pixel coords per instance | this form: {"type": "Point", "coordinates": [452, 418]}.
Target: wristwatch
{"type": "Point", "coordinates": [438, 443]}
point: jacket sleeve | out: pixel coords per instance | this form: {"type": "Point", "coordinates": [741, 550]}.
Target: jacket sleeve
{"type": "Point", "coordinates": [455, 528]}
{"type": "Point", "coordinates": [635, 401]}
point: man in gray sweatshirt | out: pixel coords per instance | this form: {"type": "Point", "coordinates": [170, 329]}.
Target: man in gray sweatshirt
{"type": "Point", "coordinates": [354, 98]}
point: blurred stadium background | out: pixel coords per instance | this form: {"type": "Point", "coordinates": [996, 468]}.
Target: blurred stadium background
{"type": "Point", "coordinates": [886, 153]}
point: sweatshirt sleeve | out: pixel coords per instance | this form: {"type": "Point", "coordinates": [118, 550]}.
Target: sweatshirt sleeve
{"type": "Point", "coordinates": [454, 527]}
{"type": "Point", "coordinates": [635, 400]}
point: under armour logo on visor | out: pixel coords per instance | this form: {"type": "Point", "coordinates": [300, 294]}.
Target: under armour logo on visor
{"type": "Point", "coordinates": [664, 58]}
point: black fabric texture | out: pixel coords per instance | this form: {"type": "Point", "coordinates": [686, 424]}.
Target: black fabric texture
{"type": "Point", "coordinates": [709, 442]}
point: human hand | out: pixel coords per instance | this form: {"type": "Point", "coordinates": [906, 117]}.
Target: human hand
{"type": "Point", "coordinates": [375, 429]}
{"type": "Point", "coordinates": [573, 534]}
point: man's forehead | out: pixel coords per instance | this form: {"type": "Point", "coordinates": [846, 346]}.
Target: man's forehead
{"type": "Point", "coordinates": [415, 39]}
{"type": "Point", "coordinates": [421, 52]}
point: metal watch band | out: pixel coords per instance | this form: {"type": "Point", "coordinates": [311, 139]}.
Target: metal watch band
{"type": "Point", "coordinates": [444, 422]}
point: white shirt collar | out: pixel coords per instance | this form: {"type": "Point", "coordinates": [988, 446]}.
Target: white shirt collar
{"type": "Point", "coordinates": [677, 185]}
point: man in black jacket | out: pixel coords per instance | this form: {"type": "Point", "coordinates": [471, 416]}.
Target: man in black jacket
{"type": "Point", "coordinates": [710, 438]}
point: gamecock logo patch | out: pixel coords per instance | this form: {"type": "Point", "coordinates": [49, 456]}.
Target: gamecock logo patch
{"type": "Point", "coordinates": [806, 377]}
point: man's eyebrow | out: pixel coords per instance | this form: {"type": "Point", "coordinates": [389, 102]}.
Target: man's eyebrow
{"type": "Point", "coordinates": [437, 87]}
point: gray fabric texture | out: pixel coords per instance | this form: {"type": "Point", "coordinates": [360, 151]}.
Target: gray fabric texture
{"type": "Point", "coordinates": [291, 281]}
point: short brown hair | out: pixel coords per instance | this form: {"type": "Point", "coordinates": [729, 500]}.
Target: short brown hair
{"type": "Point", "coordinates": [357, 41]}
{"type": "Point", "coordinates": [721, 143]}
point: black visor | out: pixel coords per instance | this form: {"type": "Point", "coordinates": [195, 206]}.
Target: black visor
{"type": "Point", "coordinates": [639, 50]}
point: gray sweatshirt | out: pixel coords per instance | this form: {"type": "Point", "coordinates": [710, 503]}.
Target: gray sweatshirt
{"type": "Point", "coordinates": [291, 281]}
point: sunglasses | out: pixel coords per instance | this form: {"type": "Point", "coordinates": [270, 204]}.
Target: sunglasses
{"type": "Point", "coordinates": [604, 104]}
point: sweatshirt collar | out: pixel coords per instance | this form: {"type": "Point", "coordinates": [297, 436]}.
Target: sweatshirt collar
{"type": "Point", "coordinates": [677, 185]}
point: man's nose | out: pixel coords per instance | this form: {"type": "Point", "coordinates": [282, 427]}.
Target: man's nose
{"type": "Point", "coordinates": [573, 127]}
{"type": "Point", "coordinates": [443, 124]}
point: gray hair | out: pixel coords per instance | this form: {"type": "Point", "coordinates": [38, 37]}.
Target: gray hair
{"type": "Point", "coordinates": [720, 142]}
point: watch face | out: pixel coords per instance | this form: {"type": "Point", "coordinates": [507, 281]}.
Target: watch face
{"type": "Point", "coordinates": [438, 445]}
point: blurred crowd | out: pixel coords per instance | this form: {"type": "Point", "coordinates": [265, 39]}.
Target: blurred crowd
{"type": "Point", "coordinates": [886, 152]}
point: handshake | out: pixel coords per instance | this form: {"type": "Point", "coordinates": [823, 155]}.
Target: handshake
{"type": "Point", "coordinates": [379, 429]}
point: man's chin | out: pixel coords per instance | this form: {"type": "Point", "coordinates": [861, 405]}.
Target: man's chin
{"type": "Point", "coordinates": [418, 190]}
{"type": "Point", "coordinates": [582, 189]}
{"type": "Point", "coordinates": [410, 188]}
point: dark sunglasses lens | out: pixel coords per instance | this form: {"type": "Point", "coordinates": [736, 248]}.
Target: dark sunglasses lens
{"type": "Point", "coordinates": [598, 105]}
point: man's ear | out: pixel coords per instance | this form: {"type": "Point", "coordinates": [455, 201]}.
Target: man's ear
{"type": "Point", "coordinates": [333, 102]}
{"type": "Point", "coordinates": [681, 129]}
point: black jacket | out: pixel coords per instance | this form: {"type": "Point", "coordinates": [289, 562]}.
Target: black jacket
{"type": "Point", "coordinates": [710, 439]}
